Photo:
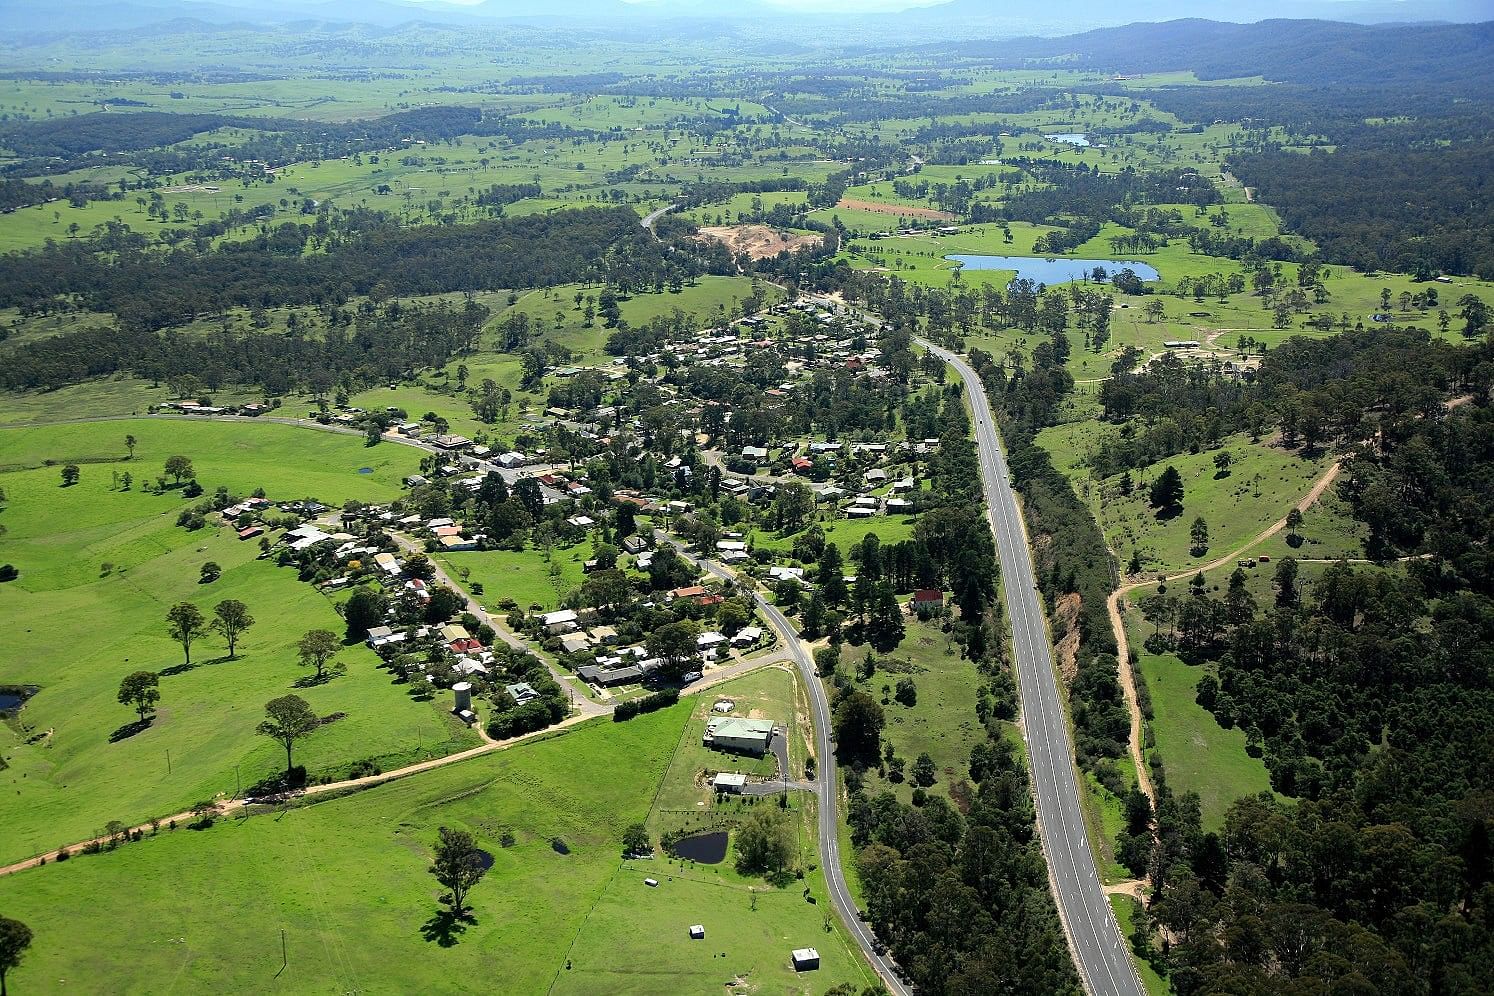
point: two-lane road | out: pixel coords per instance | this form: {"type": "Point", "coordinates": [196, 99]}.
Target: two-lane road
{"type": "Point", "coordinates": [1101, 956]}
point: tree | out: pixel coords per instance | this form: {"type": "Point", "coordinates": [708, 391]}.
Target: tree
{"type": "Point", "coordinates": [459, 865]}
{"type": "Point", "coordinates": [1222, 461]}
{"type": "Point", "coordinates": [676, 644]}
{"type": "Point", "coordinates": [288, 719]}
{"type": "Point", "coordinates": [884, 627]}
{"type": "Point", "coordinates": [907, 692]}
{"type": "Point", "coordinates": [636, 840]}
{"type": "Point", "coordinates": [210, 572]}
{"type": "Point", "coordinates": [70, 475]}
{"type": "Point", "coordinates": [1167, 491]}
{"type": "Point", "coordinates": [364, 609]}
{"type": "Point", "coordinates": [185, 623]}
{"type": "Point", "coordinates": [1198, 534]}
{"type": "Point", "coordinates": [178, 467]}
{"type": "Point", "coordinates": [15, 938]}
{"type": "Point", "coordinates": [858, 725]}
{"type": "Point", "coordinates": [923, 771]}
{"type": "Point", "coordinates": [230, 618]}
{"type": "Point", "coordinates": [316, 648]}
{"type": "Point", "coordinates": [1293, 523]}
{"type": "Point", "coordinates": [1475, 315]}
{"type": "Point", "coordinates": [765, 842]}
{"type": "Point", "coordinates": [130, 444]}
{"type": "Point", "coordinates": [141, 691]}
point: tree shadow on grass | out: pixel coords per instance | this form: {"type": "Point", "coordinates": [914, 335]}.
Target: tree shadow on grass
{"type": "Point", "coordinates": [176, 669]}
{"type": "Point", "coordinates": [446, 927]}
{"type": "Point", "coordinates": [128, 730]}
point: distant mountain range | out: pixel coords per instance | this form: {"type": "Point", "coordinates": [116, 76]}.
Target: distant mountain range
{"type": "Point", "coordinates": [966, 18]}
{"type": "Point", "coordinates": [1308, 52]}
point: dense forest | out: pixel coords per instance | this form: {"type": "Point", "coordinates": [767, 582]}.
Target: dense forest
{"type": "Point", "coordinates": [1369, 693]}
{"type": "Point", "coordinates": [149, 290]}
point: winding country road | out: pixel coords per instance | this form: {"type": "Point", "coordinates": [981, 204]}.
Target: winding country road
{"type": "Point", "coordinates": [828, 788]}
{"type": "Point", "coordinates": [1099, 953]}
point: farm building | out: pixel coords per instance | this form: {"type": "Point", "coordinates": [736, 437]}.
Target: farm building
{"type": "Point", "coordinates": [806, 959]}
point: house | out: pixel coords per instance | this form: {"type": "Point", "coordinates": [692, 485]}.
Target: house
{"type": "Point", "coordinates": [574, 643]}
{"type": "Point", "coordinates": [387, 563]}
{"type": "Point", "coordinates": [522, 692]}
{"type": "Point", "coordinates": [604, 634]}
{"type": "Point", "coordinates": [560, 621]}
{"type": "Point", "coordinates": [730, 782]}
{"type": "Point", "coordinates": [876, 476]}
{"type": "Point", "coordinates": [634, 545]}
{"type": "Point", "coordinates": [457, 543]}
{"type": "Point", "coordinates": [756, 454]}
{"type": "Point", "coordinates": [739, 736]}
{"type": "Point", "coordinates": [786, 573]}
{"type": "Point", "coordinates": [450, 442]}
{"type": "Point", "coordinates": [305, 537]}
{"type": "Point", "coordinates": [806, 959]}
{"type": "Point", "coordinates": [747, 636]}
{"type": "Point", "coordinates": [802, 465]}
{"type": "Point", "coordinates": [928, 601]}
{"type": "Point", "coordinates": [512, 460]}
{"type": "Point", "coordinates": [454, 633]}
{"type": "Point", "coordinates": [691, 591]}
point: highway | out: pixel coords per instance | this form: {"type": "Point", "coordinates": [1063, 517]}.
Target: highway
{"type": "Point", "coordinates": [828, 788]}
{"type": "Point", "coordinates": [1099, 952]}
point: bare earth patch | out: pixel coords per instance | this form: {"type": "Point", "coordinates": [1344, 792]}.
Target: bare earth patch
{"type": "Point", "coordinates": [902, 210]}
{"type": "Point", "coordinates": [757, 241]}
{"type": "Point", "coordinates": [1066, 612]}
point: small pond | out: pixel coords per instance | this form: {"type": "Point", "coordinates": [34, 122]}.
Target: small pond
{"type": "Point", "coordinates": [12, 697]}
{"type": "Point", "coordinates": [1051, 271]}
{"type": "Point", "coordinates": [706, 848]}
{"type": "Point", "coordinates": [1071, 138]}
{"type": "Point", "coordinates": [486, 857]}
{"type": "Point", "coordinates": [365, 470]}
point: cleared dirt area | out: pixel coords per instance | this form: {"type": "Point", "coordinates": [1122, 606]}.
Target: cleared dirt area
{"type": "Point", "coordinates": [899, 210]}
{"type": "Point", "coordinates": [758, 241]}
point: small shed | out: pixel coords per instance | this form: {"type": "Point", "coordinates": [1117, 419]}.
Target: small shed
{"type": "Point", "coordinates": [806, 959]}
{"type": "Point", "coordinates": [652, 883]}
{"type": "Point", "coordinates": [697, 932]}
{"type": "Point", "coordinates": [729, 781]}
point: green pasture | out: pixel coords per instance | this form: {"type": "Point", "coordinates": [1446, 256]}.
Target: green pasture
{"type": "Point", "coordinates": [99, 567]}
{"type": "Point", "coordinates": [356, 867]}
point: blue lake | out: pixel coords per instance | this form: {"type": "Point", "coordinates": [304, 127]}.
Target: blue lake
{"type": "Point", "coordinates": [1070, 138]}
{"type": "Point", "coordinates": [1054, 271]}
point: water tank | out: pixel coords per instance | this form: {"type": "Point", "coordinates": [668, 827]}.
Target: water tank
{"type": "Point", "coordinates": [463, 690]}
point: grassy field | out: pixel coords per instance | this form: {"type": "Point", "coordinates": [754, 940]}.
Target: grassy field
{"type": "Point", "coordinates": [347, 881]}
{"type": "Point", "coordinates": [287, 461]}
{"type": "Point", "coordinates": [1263, 483]}
{"type": "Point", "coordinates": [941, 722]}
{"type": "Point", "coordinates": [1197, 753]}
{"type": "Point", "coordinates": [523, 576]}
{"type": "Point", "coordinates": [99, 568]}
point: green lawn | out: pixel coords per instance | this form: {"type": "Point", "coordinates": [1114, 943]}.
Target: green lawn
{"type": "Point", "coordinates": [75, 627]}
{"type": "Point", "coordinates": [847, 533]}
